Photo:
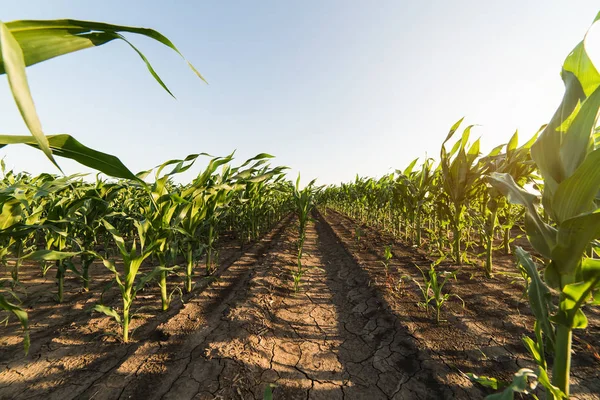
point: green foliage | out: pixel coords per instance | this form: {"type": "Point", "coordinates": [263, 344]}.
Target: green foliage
{"type": "Point", "coordinates": [567, 158]}
{"type": "Point", "coordinates": [27, 42]}
{"type": "Point", "coordinates": [304, 202]}
{"type": "Point", "coordinates": [127, 279]}
{"type": "Point", "coordinates": [432, 289]}
{"type": "Point", "coordinates": [21, 315]}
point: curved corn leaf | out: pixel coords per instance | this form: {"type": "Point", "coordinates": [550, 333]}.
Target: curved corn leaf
{"type": "Point", "coordinates": [576, 194]}
{"type": "Point", "coordinates": [50, 255]}
{"type": "Point", "coordinates": [574, 235]}
{"type": "Point", "coordinates": [541, 235]}
{"type": "Point", "coordinates": [111, 312]}
{"type": "Point", "coordinates": [13, 63]}
{"type": "Point", "coordinates": [540, 298]}
{"type": "Point", "coordinates": [524, 381]}
{"type": "Point", "coordinates": [21, 316]}
{"type": "Point", "coordinates": [28, 42]}
{"type": "Point", "coordinates": [42, 40]}
{"type": "Point", "coordinates": [485, 381]}
{"type": "Point", "coordinates": [575, 295]}
{"type": "Point", "coordinates": [581, 79]}
{"type": "Point", "coordinates": [67, 146]}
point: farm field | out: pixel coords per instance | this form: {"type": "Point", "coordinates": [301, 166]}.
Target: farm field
{"type": "Point", "coordinates": [348, 333]}
{"type": "Point", "coordinates": [473, 274]}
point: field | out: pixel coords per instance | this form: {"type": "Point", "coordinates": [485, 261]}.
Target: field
{"type": "Point", "coordinates": [471, 276]}
{"type": "Point", "coordinates": [346, 334]}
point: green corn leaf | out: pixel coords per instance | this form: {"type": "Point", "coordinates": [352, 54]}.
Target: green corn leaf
{"type": "Point", "coordinates": [45, 39]}
{"type": "Point", "coordinates": [108, 311]}
{"type": "Point", "coordinates": [486, 381]}
{"type": "Point", "coordinates": [540, 298]}
{"type": "Point", "coordinates": [408, 170]}
{"type": "Point", "coordinates": [453, 129]}
{"type": "Point", "coordinates": [21, 316]}
{"type": "Point", "coordinates": [581, 79]}
{"type": "Point", "coordinates": [575, 295]}
{"type": "Point", "coordinates": [590, 269]}
{"type": "Point", "coordinates": [148, 65]}
{"type": "Point", "coordinates": [28, 42]}
{"type": "Point", "coordinates": [68, 147]}
{"type": "Point", "coordinates": [573, 237]}
{"type": "Point", "coordinates": [533, 349]}
{"type": "Point", "coordinates": [576, 194]}
{"type": "Point", "coordinates": [524, 381]}
{"type": "Point", "coordinates": [119, 241]}
{"type": "Point", "coordinates": [544, 380]}
{"type": "Point", "coordinates": [151, 276]}
{"type": "Point", "coordinates": [513, 142]}
{"type": "Point", "coordinates": [578, 140]}
{"type": "Point", "coordinates": [268, 394]}
{"type": "Point", "coordinates": [12, 213]}
{"type": "Point", "coordinates": [51, 255]}
{"type": "Point", "coordinates": [13, 64]}
{"type": "Point", "coordinates": [579, 63]}
{"type": "Point", "coordinates": [258, 157]}
{"type": "Point", "coordinates": [110, 265]}
{"type": "Point", "coordinates": [542, 236]}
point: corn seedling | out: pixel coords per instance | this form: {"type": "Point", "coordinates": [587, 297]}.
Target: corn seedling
{"type": "Point", "coordinates": [432, 289]}
{"type": "Point", "coordinates": [127, 279]}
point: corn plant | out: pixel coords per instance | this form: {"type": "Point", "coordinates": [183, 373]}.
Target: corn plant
{"type": "Point", "coordinates": [517, 162]}
{"type": "Point", "coordinates": [127, 279]}
{"type": "Point", "coordinates": [460, 174]}
{"type": "Point", "coordinates": [304, 201]}
{"type": "Point", "coordinates": [160, 219]}
{"type": "Point", "coordinates": [387, 256]}
{"type": "Point", "coordinates": [88, 212]}
{"type": "Point", "coordinates": [18, 312]}
{"type": "Point", "coordinates": [432, 288]}
{"type": "Point", "coordinates": [567, 156]}
{"type": "Point", "coordinates": [192, 214]}
{"type": "Point", "coordinates": [419, 188]}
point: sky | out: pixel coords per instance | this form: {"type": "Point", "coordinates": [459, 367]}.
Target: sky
{"type": "Point", "coordinates": [332, 88]}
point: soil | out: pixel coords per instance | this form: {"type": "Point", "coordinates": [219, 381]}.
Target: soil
{"type": "Point", "coordinates": [353, 331]}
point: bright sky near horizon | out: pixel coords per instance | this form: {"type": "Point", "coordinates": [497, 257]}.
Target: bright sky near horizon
{"type": "Point", "coordinates": [331, 88]}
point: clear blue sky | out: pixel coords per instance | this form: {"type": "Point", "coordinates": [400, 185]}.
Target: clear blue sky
{"type": "Point", "coordinates": [332, 88]}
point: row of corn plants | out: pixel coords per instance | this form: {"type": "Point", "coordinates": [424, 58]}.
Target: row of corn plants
{"type": "Point", "coordinates": [448, 206]}
{"type": "Point", "coordinates": [468, 205]}
{"type": "Point", "coordinates": [65, 223]}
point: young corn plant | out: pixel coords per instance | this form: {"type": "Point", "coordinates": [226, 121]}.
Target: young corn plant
{"type": "Point", "coordinates": [432, 288]}
{"type": "Point", "coordinates": [193, 213]}
{"type": "Point", "coordinates": [567, 156]}
{"type": "Point", "coordinates": [88, 212]}
{"type": "Point", "coordinates": [127, 279]}
{"type": "Point", "coordinates": [460, 174]}
{"type": "Point", "coordinates": [387, 256]}
{"type": "Point", "coordinates": [397, 287]}
{"type": "Point", "coordinates": [517, 162]}
{"type": "Point", "coordinates": [304, 202]}
{"type": "Point", "coordinates": [160, 219]}
{"type": "Point", "coordinates": [418, 190]}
